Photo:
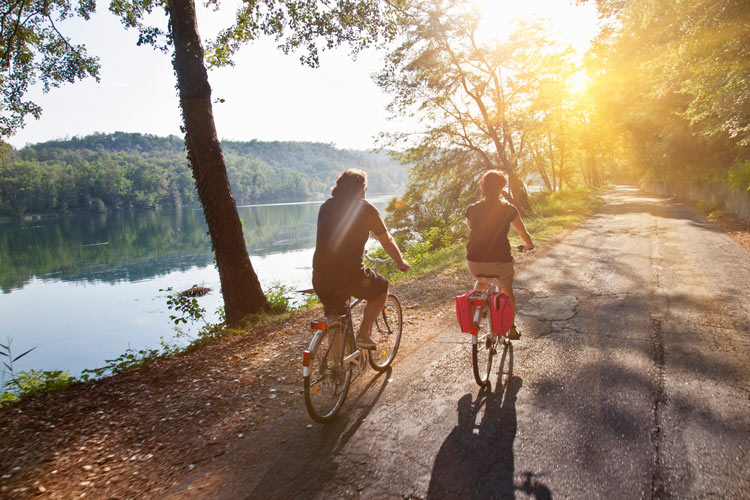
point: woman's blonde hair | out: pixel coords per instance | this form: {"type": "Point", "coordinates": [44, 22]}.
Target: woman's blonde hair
{"type": "Point", "coordinates": [492, 184]}
{"type": "Point", "coordinates": [349, 183]}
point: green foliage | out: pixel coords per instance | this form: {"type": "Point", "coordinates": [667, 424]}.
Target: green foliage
{"type": "Point", "coordinates": [569, 201]}
{"type": "Point", "coordinates": [128, 360]}
{"type": "Point", "coordinates": [707, 207]}
{"type": "Point", "coordinates": [26, 383]}
{"type": "Point", "coordinates": [671, 85]}
{"type": "Point", "coordinates": [102, 172]}
{"type": "Point", "coordinates": [34, 381]}
{"type": "Point", "coordinates": [278, 297]}
{"type": "Point", "coordinates": [283, 299]}
{"type": "Point", "coordinates": [307, 26]}
{"type": "Point", "coordinates": [32, 49]}
{"type": "Point", "coordinates": [739, 176]}
{"type": "Point", "coordinates": [186, 306]}
{"type": "Point", "coordinates": [8, 364]}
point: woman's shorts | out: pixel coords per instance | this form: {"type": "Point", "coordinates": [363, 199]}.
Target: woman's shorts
{"type": "Point", "coordinates": [503, 271]}
{"type": "Point", "coordinates": [333, 292]}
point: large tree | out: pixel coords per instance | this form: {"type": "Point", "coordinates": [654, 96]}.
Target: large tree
{"type": "Point", "coordinates": [305, 25]}
{"type": "Point", "coordinates": [478, 99]}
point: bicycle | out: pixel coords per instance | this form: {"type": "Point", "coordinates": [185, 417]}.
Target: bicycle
{"type": "Point", "coordinates": [327, 363]}
{"type": "Point", "coordinates": [484, 340]}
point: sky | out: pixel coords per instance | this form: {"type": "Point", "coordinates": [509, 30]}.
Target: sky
{"type": "Point", "coordinates": [267, 96]}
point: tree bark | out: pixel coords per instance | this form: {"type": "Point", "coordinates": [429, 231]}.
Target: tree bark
{"type": "Point", "coordinates": [239, 283]}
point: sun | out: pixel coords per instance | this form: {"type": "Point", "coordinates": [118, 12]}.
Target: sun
{"type": "Point", "coordinates": [579, 82]}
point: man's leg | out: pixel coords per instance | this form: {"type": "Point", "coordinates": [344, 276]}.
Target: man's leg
{"type": "Point", "coordinates": [372, 309]}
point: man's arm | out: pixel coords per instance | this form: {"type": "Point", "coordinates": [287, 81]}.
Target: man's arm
{"type": "Point", "coordinates": [390, 247]}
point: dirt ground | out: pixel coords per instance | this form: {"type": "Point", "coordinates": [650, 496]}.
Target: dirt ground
{"type": "Point", "coordinates": [138, 434]}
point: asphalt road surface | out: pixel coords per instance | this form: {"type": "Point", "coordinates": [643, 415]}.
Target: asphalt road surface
{"type": "Point", "coordinates": [631, 380]}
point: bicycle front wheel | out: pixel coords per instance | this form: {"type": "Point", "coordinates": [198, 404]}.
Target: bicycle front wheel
{"type": "Point", "coordinates": [386, 332]}
{"type": "Point", "coordinates": [483, 349]}
{"type": "Point", "coordinates": [327, 379]}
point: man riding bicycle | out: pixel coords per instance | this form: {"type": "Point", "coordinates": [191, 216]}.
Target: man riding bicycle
{"type": "Point", "coordinates": [345, 222]}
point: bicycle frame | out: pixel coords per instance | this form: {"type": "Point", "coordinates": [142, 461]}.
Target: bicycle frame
{"type": "Point", "coordinates": [356, 355]}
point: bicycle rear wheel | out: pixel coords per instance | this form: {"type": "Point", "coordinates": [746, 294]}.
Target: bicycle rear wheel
{"type": "Point", "coordinates": [484, 349]}
{"type": "Point", "coordinates": [327, 380]}
{"type": "Point", "coordinates": [386, 332]}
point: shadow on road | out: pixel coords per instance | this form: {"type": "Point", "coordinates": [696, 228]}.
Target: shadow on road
{"type": "Point", "coordinates": [303, 467]}
{"type": "Point", "coordinates": [476, 459]}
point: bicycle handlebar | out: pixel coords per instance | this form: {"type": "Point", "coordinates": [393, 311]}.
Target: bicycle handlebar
{"type": "Point", "coordinates": [376, 260]}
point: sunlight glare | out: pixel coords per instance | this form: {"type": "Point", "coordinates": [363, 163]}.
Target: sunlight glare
{"type": "Point", "coordinates": [575, 25]}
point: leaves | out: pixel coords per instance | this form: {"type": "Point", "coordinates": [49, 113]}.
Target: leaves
{"type": "Point", "coordinates": [32, 48]}
{"type": "Point", "coordinates": [672, 84]}
{"type": "Point", "coordinates": [306, 26]}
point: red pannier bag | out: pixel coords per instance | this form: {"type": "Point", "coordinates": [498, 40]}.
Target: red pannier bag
{"type": "Point", "coordinates": [501, 313]}
{"type": "Point", "coordinates": [465, 311]}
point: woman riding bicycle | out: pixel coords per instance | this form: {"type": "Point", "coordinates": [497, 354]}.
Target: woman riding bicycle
{"type": "Point", "coordinates": [345, 222]}
{"type": "Point", "coordinates": [488, 249]}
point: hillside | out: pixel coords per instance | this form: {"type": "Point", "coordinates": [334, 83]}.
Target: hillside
{"type": "Point", "coordinates": [109, 171]}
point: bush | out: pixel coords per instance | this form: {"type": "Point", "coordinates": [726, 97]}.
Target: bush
{"type": "Point", "coordinates": [30, 382]}
{"type": "Point", "coordinates": [278, 296]}
{"type": "Point", "coordinates": [576, 201]}
{"type": "Point", "coordinates": [707, 207]}
{"type": "Point", "coordinates": [739, 176]}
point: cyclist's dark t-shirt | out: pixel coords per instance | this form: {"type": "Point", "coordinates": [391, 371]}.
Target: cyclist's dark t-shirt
{"type": "Point", "coordinates": [344, 225]}
{"type": "Point", "coordinates": [488, 236]}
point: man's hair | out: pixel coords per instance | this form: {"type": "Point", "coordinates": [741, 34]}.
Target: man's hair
{"type": "Point", "coordinates": [349, 183]}
{"type": "Point", "coordinates": [492, 184]}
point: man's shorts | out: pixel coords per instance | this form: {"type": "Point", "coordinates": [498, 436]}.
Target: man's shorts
{"type": "Point", "coordinates": [333, 292]}
{"type": "Point", "coordinates": [503, 271]}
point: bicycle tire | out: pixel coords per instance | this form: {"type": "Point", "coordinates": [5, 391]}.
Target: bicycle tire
{"type": "Point", "coordinates": [386, 332]}
{"type": "Point", "coordinates": [483, 350]}
{"type": "Point", "coordinates": [326, 383]}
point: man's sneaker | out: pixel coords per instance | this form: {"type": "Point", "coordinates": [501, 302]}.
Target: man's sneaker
{"type": "Point", "coordinates": [513, 334]}
{"type": "Point", "coordinates": [365, 342]}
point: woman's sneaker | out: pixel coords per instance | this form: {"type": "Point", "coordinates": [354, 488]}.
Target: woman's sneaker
{"type": "Point", "coordinates": [513, 334]}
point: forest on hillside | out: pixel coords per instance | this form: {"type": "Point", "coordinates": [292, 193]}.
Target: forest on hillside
{"type": "Point", "coordinates": [102, 172]}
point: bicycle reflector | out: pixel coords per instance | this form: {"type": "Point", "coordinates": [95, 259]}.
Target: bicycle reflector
{"type": "Point", "coordinates": [318, 325]}
{"type": "Point", "coordinates": [306, 358]}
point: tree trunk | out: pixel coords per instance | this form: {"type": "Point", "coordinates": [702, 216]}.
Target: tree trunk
{"type": "Point", "coordinates": [519, 194]}
{"type": "Point", "coordinates": [239, 283]}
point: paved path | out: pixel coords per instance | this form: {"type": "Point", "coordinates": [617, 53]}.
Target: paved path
{"type": "Point", "coordinates": [631, 380]}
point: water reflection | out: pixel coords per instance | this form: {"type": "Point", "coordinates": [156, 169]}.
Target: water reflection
{"type": "Point", "coordinates": [138, 245]}
{"type": "Point", "coordinates": [84, 288]}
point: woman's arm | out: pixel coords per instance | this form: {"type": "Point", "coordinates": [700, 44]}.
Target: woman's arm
{"type": "Point", "coordinates": [521, 230]}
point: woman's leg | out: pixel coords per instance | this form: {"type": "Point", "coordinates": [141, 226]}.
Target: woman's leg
{"type": "Point", "coordinates": [513, 332]}
{"type": "Point", "coordinates": [508, 291]}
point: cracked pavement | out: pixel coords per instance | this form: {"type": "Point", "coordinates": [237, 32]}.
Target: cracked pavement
{"type": "Point", "coordinates": [631, 380]}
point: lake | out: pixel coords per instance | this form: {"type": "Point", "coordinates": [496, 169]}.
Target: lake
{"type": "Point", "coordinates": [84, 288]}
